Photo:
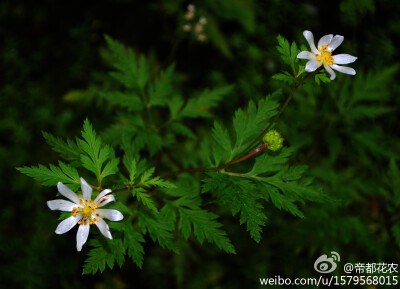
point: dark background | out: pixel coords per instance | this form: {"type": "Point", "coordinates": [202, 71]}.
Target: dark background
{"type": "Point", "coordinates": [52, 54]}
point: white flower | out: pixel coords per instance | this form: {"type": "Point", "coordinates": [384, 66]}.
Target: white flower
{"type": "Point", "coordinates": [323, 55]}
{"type": "Point", "coordinates": [84, 211]}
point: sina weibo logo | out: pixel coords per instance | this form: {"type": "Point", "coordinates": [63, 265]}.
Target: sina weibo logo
{"type": "Point", "coordinates": [327, 265]}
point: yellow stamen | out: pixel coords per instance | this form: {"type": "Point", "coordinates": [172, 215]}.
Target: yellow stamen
{"type": "Point", "coordinates": [87, 210]}
{"type": "Point", "coordinates": [325, 57]}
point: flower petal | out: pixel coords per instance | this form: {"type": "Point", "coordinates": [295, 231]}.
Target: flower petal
{"type": "Point", "coordinates": [325, 40]}
{"type": "Point", "coordinates": [66, 192]}
{"type": "Point", "coordinates": [68, 224]}
{"type": "Point", "coordinates": [330, 71]}
{"type": "Point", "coordinates": [61, 205]}
{"type": "Point", "coordinates": [112, 215]}
{"type": "Point", "coordinates": [312, 65]}
{"type": "Point", "coordinates": [102, 194]}
{"type": "Point", "coordinates": [344, 69]}
{"type": "Point", "coordinates": [306, 55]}
{"type": "Point", "coordinates": [105, 200]}
{"type": "Point", "coordinates": [335, 42]}
{"type": "Point", "coordinates": [343, 59]}
{"type": "Point", "coordinates": [86, 190]}
{"type": "Point", "coordinates": [104, 229]}
{"type": "Point", "coordinates": [82, 235]}
{"type": "Point", "coordinates": [310, 39]}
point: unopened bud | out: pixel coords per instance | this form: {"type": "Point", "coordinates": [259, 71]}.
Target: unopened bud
{"type": "Point", "coordinates": [274, 140]}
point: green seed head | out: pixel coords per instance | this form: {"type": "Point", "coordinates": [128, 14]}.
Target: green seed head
{"type": "Point", "coordinates": [274, 140]}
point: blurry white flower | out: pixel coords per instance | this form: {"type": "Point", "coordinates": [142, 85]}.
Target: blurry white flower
{"type": "Point", "coordinates": [190, 13]}
{"type": "Point", "coordinates": [203, 20]}
{"type": "Point", "coordinates": [198, 28]}
{"type": "Point", "coordinates": [84, 211]}
{"type": "Point", "coordinates": [191, 7]}
{"type": "Point", "coordinates": [323, 55]}
{"type": "Point", "coordinates": [187, 27]}
{"type": "Point", "coordinates": [201, 37]}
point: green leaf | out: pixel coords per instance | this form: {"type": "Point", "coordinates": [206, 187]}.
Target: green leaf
{"type": "Point", "coordinates": [267, 163]}
{"type": "Point", "coordinates": [282, 202]}
{"type": "Point", "coordinates": [110, 168]}
{"type": "Point", "coordinates": [52, 175]}
{"type": "Point", "coordinates": [285, 77]}
{"type": "Point", "coordinates": [240, 196]}
{"type": "Point", "coordinates": [147, 181]}
{"type": "Point", "coordinates": [250, 123]}
{"type": "Point", "coordinates": [67, 149]}
{"type": "Point", "coordinates": [204, 223]}
{"type": "Point", "coordinates": [95, 154]}
{"type": "Point", "coordinates": [132, 72]}
{"type": "Point", "coordinates": [288, 52]}
{"type": "Point", "coordinates": [144, 198]}
{"type": "Point", "coordinates": [321, 77]}
{"type": "Point", "coordinates": [105, 252]}
{"type": "Point", "coordinates": [205, 226]}
{"type": "Point", "coordinates": [182, 130]}
{"type": "Point", "coordinates": [199, 106]}
{"type": "Point", "coordinates": [130, 165]}
{"type": "Point", "coordinates": [161, 88]}
{"type": "Point", "coordinates": [130, 101]}
{"type": "Point", "coordinates": [132, 241]}
{"type": "Point", "coordinates": [158, 228]}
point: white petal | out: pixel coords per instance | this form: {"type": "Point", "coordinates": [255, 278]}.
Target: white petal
{"type": "Point", "coordinates": [86, 190]}
{"type": "Point", "coordinates": [105, 200]}
{"type": "Point", "coordinates": [82, 235]}
{"type": "Point", "coordinates": [312, 65]}
{"type": "Point", "coordinates": [68, 224]}
{"type": "Point", "coordinates": [330, 71]}
{"type": "Point", "coordinates": [343, 59]}
{"type": "Point", "coordinates": [104, 229]}
{"type": "Point", "coordinates": [325, 40]}
{"type": "Point", "coordinates": [103, 193]}
{"type": "Point", "coordinates": [344, 69]}
{"type": "Point", "coordinates": [335, 42]}
{"type": "Point", "coordinates": [306, 55]}
{"type": "Point", "coordinates": [61, 205]}
{"type": "Point", "coordinates": [112, 215]}
{"type": "Point", "coordinates": [66, 192]}
{"type": "Point", "coordinates": [310, 39]}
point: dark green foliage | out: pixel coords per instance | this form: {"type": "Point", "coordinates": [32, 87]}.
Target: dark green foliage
{"type": "Point", "coordinates": [163, 130]}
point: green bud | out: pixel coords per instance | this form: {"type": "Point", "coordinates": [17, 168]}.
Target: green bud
{"type": "Point", "coordinates": [274, 140]}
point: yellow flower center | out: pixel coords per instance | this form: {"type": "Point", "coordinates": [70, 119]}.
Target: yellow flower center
{"type": "Point", "coordinates": [325, 57]}
{"type": "Point", "coordinates": [87, 212]}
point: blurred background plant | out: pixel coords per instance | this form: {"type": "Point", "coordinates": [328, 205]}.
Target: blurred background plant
{"type": "Point", "coordinates": [54, 63]}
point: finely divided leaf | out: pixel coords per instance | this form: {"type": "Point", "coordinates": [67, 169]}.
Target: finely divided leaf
{"type": "Point", "coordinates": [205, 226]}
{"type": "Point", "coordinates": [67, 149]}
{"type": "Point", "coordinates": [199, 106]}
{"type": "Point", "coordinates": [52, 175]}
{"type": "Point", "coordinates": [158, 228]}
